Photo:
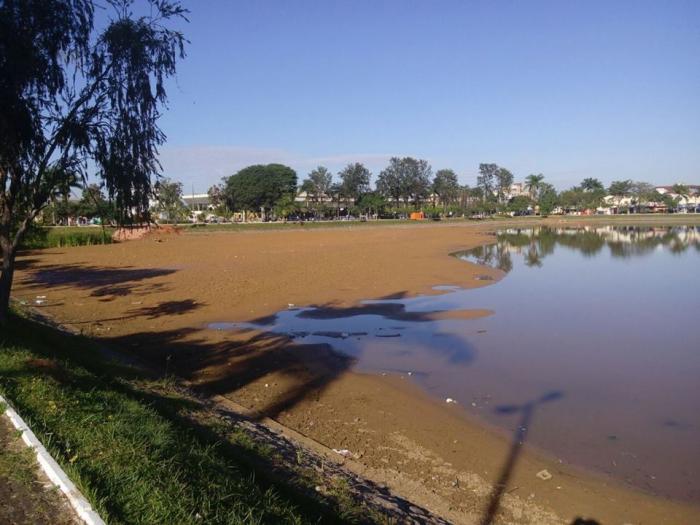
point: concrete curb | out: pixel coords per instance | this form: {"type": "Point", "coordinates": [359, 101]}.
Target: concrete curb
{"type": "Point", "coordinates": [52, 469]}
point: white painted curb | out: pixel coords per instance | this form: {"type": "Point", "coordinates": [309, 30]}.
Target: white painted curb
{"type": "Point", "coordinates": [53, 470]}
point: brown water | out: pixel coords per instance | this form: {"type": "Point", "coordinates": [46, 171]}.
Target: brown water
{"type": "Point", "coordinates": [595, 332]}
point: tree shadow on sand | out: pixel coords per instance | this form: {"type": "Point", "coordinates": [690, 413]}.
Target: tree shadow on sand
{"type": "Point", "coordinates": [101, 281]}
{"type": "Point", "coordinates": [223, 362]}
{"type": "Point", "coordinates": [222, 367]}
{"type": "Point", "coordinates": [170, 308]}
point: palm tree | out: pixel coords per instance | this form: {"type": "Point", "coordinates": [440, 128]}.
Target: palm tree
{"type": "Point", "coordinates": [682, 191]}
{"type": "Point", "coordinates": [533, 183]}
{"type": "Point", "coordinates": [590, 184]}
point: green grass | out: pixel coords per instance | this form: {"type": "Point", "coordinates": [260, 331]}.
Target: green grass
{"type": "Point", "coordinates": [66, 236]}
{"type": "Point", "coordinates": [16, 465]}
{"type": "Point", "coordinates": [139, 450]}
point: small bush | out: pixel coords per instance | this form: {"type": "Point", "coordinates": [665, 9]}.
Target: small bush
{"type": "Point", "coordinates": [60, 237]}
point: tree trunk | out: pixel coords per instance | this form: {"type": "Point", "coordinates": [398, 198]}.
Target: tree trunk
{"type": "Point", "coordinates": [6, 274]}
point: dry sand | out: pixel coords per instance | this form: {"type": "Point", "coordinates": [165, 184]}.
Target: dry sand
{"type": "Point", "coordinates": [155, 297]}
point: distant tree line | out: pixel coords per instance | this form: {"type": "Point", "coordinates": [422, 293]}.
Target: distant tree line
{"type": "Point", "coordinates": [405, 185]}
{"type": "Point", "coordinates": [408, 184]}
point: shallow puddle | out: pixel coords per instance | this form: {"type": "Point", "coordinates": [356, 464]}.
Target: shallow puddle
{"type": "Point", "coordinates": [593, 335]}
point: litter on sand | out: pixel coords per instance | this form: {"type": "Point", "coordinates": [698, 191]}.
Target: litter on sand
{"type": "Point", "coordinates": [544, 475]}
{"type": "Point", "coordinates": [343, 452]}
{"type": "Point", "coordinates": [450, 400]}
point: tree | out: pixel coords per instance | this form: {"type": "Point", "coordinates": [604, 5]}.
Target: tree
{"type": "Point", "coordinates": [643, 192]}
{"type": "Point", "coordinates": [520, 204]}
{"type": "Point", "coordinates": [354, 181]}
{"type": "Point", "coordinates": [285, 206]}
{"type": "Point", "coordinates": [682, 191]}
{"type": "Point", "coordinates": [93, 204]}
{"type": "Point", "coordinates": [486, 179]}
{"type": "Point", "coordinates": [73, 92]}
{"type": "Point", "coordinates": [169, 202]}
{"type": "Point", "coordinates": [669, 201]}
{"type": "Point", "coordinates": [318, 183]}
{"type": "Point", "coordinates": [335, 192]}
{"type": "Point", "coordinates": [372, 203]}
{"type": "Point", "coordinates": [405, 178]}
{"type": "Point", "coordinates": [416, 175]}
{"type": "Point", "coordinates": [216, 196]}
{"type": "Point", "coordinates": [446, 186]}
{"type": "Point", "coordinates": [390, 182]}
{"type": "Point", "coordinates": [620, 189]}
{"type": "Point", "coordinates": [504, 180]}
{"type": "Point", "coordinates": [591, 184]}
{"type": "Point", "coordinates": [533, 184]}
{"type": "Point", "coordinates": [317, 187]}
{"type": "Point", "coordinates": [59, 201]}
{"type": "Point", "coordinates": [547, 198]}
{"type": "Point", "coordinates": [259, 187]}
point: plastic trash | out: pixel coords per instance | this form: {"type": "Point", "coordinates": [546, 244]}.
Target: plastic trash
{"type": "Point", "coordinates": [343, 452]}
{"type": "Point", "coordinates": [544, 475]}
{"type": "Point", "coordinates": [450, 400]}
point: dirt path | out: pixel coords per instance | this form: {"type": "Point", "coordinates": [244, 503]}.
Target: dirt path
{"type": "Point", "coordinates": [156, 296]}
{"type": "Point", "coordinates": [26, 494]}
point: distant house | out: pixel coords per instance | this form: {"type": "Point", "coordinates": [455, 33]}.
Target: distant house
{"type": "Point", "coordinates": [518, 189]}
{"type": "Point", "coordinates": [198, 202]}
{"type": "Point", "coordinates": [686, 203]}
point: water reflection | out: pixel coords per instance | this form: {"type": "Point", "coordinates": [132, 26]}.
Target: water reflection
{"type": "Point", "coordinates": [533, 245]}
{"type": "Point", "coordinates": [607, 315]}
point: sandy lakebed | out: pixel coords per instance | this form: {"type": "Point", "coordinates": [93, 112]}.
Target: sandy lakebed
{"type": "Point", "coordinates": [158, 298]}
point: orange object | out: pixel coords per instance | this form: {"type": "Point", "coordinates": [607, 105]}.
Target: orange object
{"type": "Point", "coordinates": [417, 216]}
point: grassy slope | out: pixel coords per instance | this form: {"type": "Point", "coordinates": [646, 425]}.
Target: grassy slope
{"type": "Point", "coordinates": [133, 447]}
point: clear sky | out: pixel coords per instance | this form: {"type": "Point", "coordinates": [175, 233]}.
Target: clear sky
{"type": "Point", "coordinates": [572, 89]}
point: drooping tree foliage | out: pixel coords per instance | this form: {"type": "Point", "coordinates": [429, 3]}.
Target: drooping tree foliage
{"type": "Point", "coordinates": [73, 91]}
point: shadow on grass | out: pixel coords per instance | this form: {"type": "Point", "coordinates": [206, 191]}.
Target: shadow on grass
{"type": "Point", "coordinates": [73, 363]}
{"type": "Point", "coordinates": [223, 367]}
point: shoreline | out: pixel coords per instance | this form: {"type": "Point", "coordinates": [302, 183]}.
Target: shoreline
{"type": "Point", "coordinates": [115, 318]}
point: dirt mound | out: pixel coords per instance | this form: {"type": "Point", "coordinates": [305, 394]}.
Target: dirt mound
{"type": "Point", "coordinates": [139, 232]}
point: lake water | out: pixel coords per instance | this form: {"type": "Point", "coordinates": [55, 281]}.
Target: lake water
{"type": "Point", "coordinates": [595, 332]}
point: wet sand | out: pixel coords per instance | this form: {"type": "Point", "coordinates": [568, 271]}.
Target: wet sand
{"type": "Point", "coordinates": [156, 297]}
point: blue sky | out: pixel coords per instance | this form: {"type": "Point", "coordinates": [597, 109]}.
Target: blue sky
{"type": "Point", "coordinates": [572, 89]}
